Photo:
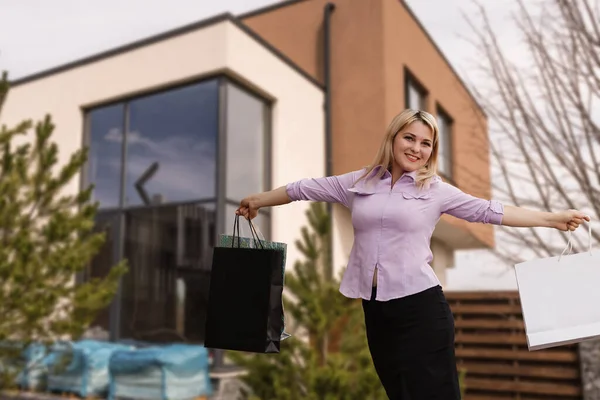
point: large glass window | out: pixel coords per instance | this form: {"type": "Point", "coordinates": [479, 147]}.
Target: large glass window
{"type": "Point", "coordinates": [445, 143]}
{"type": "Point", "coordinates": [174, 133]}
{"type": "Point", "coordinates": [247, 141]}
{"type": "Point", "coordinates": [107, 222]}
{"type": "Point", "coordinates": [169, 249]}
{"type": "Point", "coordinates": [169, 163]}
{"type": "Point", "coordinates": [105, 128]}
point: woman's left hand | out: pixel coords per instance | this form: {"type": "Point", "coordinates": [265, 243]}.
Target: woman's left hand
{"type": "Point", "coordinates": [570, 220]}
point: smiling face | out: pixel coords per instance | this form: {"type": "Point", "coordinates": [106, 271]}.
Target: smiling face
{"type": "Point", "coordinates": [412, 147]}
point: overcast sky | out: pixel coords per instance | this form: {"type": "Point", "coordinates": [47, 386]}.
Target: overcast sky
{"type": "Point", "coordinates": [39, 34]}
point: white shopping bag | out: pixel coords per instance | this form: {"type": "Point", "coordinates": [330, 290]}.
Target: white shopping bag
{"type": "Point", "coordinates": [560, 298]}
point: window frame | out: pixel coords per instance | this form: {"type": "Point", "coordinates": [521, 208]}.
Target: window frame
{"type": "Point", "coordinates": [220, 200]}
{"type": "Point", "coordinates": [447, 142]}
{"type": "Point", "coordinates": [410, 80]}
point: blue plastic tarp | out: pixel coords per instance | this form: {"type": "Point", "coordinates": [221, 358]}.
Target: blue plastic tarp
{"type": "Point", "coordinates": [174, 372]}
{"type": "Point", "coordinates": [82, 367]}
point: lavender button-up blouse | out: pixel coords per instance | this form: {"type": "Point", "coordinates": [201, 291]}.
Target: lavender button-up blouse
{"type": "Point", "coordinates": [393, 227]}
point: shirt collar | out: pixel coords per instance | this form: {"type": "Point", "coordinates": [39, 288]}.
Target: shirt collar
{"type": "Point", "coordinates": [368, 186]}
{"type": "Point", "coordinates": [412, 175]}
{"type": "Point", "coordinates": [388, 174]}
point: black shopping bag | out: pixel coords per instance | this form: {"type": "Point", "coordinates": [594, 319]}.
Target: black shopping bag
{"type": "Point", "coordinates": [245, 310]}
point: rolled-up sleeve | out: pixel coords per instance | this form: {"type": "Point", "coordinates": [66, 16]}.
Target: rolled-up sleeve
{"type": "Point", "coordinates": [470, 208]}
{"type": "Point", "coordinates": [330, 189]}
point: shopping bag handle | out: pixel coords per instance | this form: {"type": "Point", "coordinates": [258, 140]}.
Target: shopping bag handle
{"type": "Point", "coordinates": [570, 242]}
{"type": "Point", "coordinates": [236, 228]}
{"type": "Point", "coordinates": [254, 233]}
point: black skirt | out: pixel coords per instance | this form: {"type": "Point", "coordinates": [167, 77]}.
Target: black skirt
{"type": "Point", "coordinates": [411, 340]}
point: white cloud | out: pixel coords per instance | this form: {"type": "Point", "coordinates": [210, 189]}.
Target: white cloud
{"type": "Point", "coordinates": [114, 135]}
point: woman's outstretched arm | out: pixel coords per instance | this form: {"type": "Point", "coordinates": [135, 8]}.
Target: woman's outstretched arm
{"type": "Point", "coordinates": [524, 218]}
{"type": "Point", "coordinates": [250, 205]}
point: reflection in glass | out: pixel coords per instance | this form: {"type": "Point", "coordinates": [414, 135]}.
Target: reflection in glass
{"type": "Point", "coordinates": [177, 130]}
{"type": "Point", "coordinates": [99, 267]}
{"type": "Point", "coordinates": [166, 289]}
{"type": "Point", "coordinates": [245, 144]}
{"type": "Point", "coordinates": [104, 160]}
{"type": "Point", "coordinates": [180, 290]}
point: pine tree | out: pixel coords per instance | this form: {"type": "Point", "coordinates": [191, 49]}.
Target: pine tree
{"type": "Point", "coordinates": [46, 238]}
{"type": "Point", "coordinates": [334, 362]}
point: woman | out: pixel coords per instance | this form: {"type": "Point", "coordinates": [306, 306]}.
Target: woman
{"type": "Point", "coordinates": [395, 205]}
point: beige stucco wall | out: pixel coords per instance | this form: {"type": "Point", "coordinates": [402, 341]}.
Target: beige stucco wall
{"type": "Point", "coordinates": [443, 258]}
{"type": "Point", "coordinates": [297, 115]}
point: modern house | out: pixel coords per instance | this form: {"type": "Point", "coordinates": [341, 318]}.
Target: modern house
{"type": "Point", "coordinates": [183, 125]}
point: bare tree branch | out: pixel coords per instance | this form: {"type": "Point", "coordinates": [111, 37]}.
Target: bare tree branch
{"type": "Point", "coordinates": [544, 114]}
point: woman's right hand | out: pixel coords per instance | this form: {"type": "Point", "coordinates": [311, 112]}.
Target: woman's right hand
{"type": "Point", "coordinates": [247, 208]}
{"type": "Point", "coordinates": [250, 205]}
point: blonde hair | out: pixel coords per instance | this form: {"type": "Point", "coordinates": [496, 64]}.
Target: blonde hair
{"type": "Point", "coordinates": [385, 155]}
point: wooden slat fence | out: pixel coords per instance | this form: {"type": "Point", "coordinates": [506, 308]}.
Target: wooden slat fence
{"type": "Point", "coordinates": [492, 350]}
